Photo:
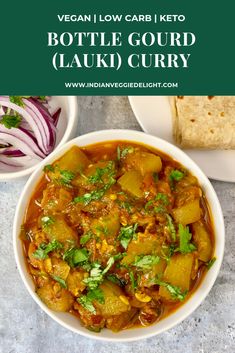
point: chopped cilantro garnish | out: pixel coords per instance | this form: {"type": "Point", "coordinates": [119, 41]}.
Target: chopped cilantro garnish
{"type": "Point", "coordinates": [18, 100]}
{"type": "Point", "coordinates": [125, 205]}
{"type": "Point", "coordinates": [86, 303]}
{"type": "Point", "coordinates": [43, 249]}
{"type": "Point", "coordinates": [102, 229]}
{"type": "Point", "coordinates": [95, 278]}
{"type": "Point", "coordinates": [169, 252]}
{"type": "Point", "coordinates": [126, 234]}
{"type": "Point", "coordinates": [171, 227]}
{"type": "Point", "coordinates": [132, 279]}
{"type": "Point", "coordinates": [176, 292]}
{"type": "Point", "coordinates": [162, 197]}
{"type": "Point", "coordinates": [86, 300]}
{"type": "Point", "coordinates": [100, 172]}
{"type": "Point", "coordinates": [66, 176]}
{"type": "Point", "coordinates": [97, 274]}
{"type": "Point", "coordinates": [47, 221]}
{"type": "Point", "coordinates": [124, 152]}
{"type": "Point", "coordinates": [185, 237]}
{"type": "Point", "coordinates": [91, 196]}
{"type": "Point", "coordinates": [159, 209]}
{"type": "Point", "coordinates": [48, 168]}
{"type": "Point", "coordinates": [145, 262]}
{"type": "Point", "coordinates": [86, 237]}
{"type": "Point", "coordinates": [60, 281]}
{"type": "Point", "coordinates": [113, 278]}
{"type": "Point", "coordinates": [176, 175]}
{"type": "Point", "coordinates": [10, 121]}
{"type": "Point", "coordinates": [75, 256]}
{"type": "Point", "coordinates": [94, 195]}
{"type": "Point", "coordinates": [210, 263]}
{"type": "Point", "coordinates": [148, 204]}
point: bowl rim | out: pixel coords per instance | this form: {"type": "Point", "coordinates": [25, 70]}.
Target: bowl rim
{"type": "Point", "coordinates": [72, 102]}
{"type": "Point", "coordinates": [135, 136]}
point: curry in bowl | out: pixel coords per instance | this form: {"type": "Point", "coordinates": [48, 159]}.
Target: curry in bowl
{"type": "Point", "coordinates": [118, 234]}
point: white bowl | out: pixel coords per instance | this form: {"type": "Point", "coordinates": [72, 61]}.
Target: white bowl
{"type": "Point", "coordinates": [67, 126]}
{"type": "Point", "coordinates": [71, 322]}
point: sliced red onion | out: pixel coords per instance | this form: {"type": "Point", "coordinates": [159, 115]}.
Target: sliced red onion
{"type": "Point", "coordinates": [11, 152]}
{"type": "Point", "coordinates": [43, 110]}
{"type": "Point", "coordinates": [6, 167]}
{"type": "Point", "coordinates": [32, 121]}
{"type": "Point", "coordinates": [56, 116]}
{"type": "Point", "coordinates": [13, 164]}
{"type": "Point", "coordinates": [49, 135]}
{"type": "Point", "coordinates": [4, 143]}
{"type": "Point", "coordinates": [22, 141]}
{"type": "Point", "coordinates": [32, 140]}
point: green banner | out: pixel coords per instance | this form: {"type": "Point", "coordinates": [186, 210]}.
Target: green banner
{"type": "Point", "coordinates": [117, 48]}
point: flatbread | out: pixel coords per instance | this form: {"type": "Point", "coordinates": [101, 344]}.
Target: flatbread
{"type": "Point", "coordinates": [206, 122]}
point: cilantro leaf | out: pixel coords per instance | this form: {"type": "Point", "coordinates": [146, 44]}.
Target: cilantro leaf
{"type": "Point", "coordinates": [47, 221]}
{"type": "Point", "coordinates": [162, 197]}
{"type": "Point", "coordinates": [113, 278]}
{"type": "Point", "coordinates": [60, 281]}
{"type": "Point", "coordinates": [43, 249]}
{"type": "Point", "coordinates": [97, 274]}
{"type": "Point", "coordinates": [125, 205]}
{"type": "Point", "coordinates": [75, 256]}
{"type": "Point", "coordinates": [126, 234]}
{"type": "Point", "coordinates": [48, 168]}
{"type": "Point", "coordinates": [145, 262]}
{"type": "Point", "coordinates": [185, 237]}
{"type": "Point", "coordinates": [86, 237]}
{"type": "Point", "coordinates": [124, 152]}
{"type": "Point", "coordinates": [176, 292]}
{"type": "Point", "coordinates": [86, 303]}
{"type": "Point", "coordinates": [110, 263]}
{"type": "Point", "coordinates": [171, 227]}
{"type": "Point", "coordinates": [95, 278]}
{"type": "Point", "coordinates": [66, 176]}
{"type": "Point", "coordinates": [176, 175]}
{"type": "Point", "coordinates": [95, 194]}
{"type": "Point", "coordinates": [86, 300]}
{"type": "Point", "coordinates": [10, 121]}
{"type": "Point", "coordinates": [170, 251]}
{"type": "Point", "coordinates": [18, 100]}
{"type": "Point", "coordinates": [159, 209]}
{"type": "Point", "coordinates": [132, 279]}
{"type": "Point", "coordinates": [96, 294]}
{"type": "Point", "coordinates": [210, 263]}
{"type": "Point", "coordinates": [100, 172]}
{"type": "Point", "coordinates": [148, 204]}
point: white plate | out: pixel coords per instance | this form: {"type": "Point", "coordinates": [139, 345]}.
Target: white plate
{"type": "Point", "coordinates": [154, 115]}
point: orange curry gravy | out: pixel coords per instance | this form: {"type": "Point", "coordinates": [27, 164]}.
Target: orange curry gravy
{"type": "Point", "coordinates": [117, 233]}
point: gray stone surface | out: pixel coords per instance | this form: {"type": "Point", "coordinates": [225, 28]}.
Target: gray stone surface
{"type": "Point", "coordinates": [24, 328]}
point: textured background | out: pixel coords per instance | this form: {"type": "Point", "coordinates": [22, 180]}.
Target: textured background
{"type": "Point", "coordinates": [24, 328]}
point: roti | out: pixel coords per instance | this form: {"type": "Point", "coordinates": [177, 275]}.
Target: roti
{"type": "Point", "coordinates": [206, 122]}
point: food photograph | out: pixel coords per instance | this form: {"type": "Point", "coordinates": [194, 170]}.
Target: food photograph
{"type": "Point", "coordinates": [117, 224]}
